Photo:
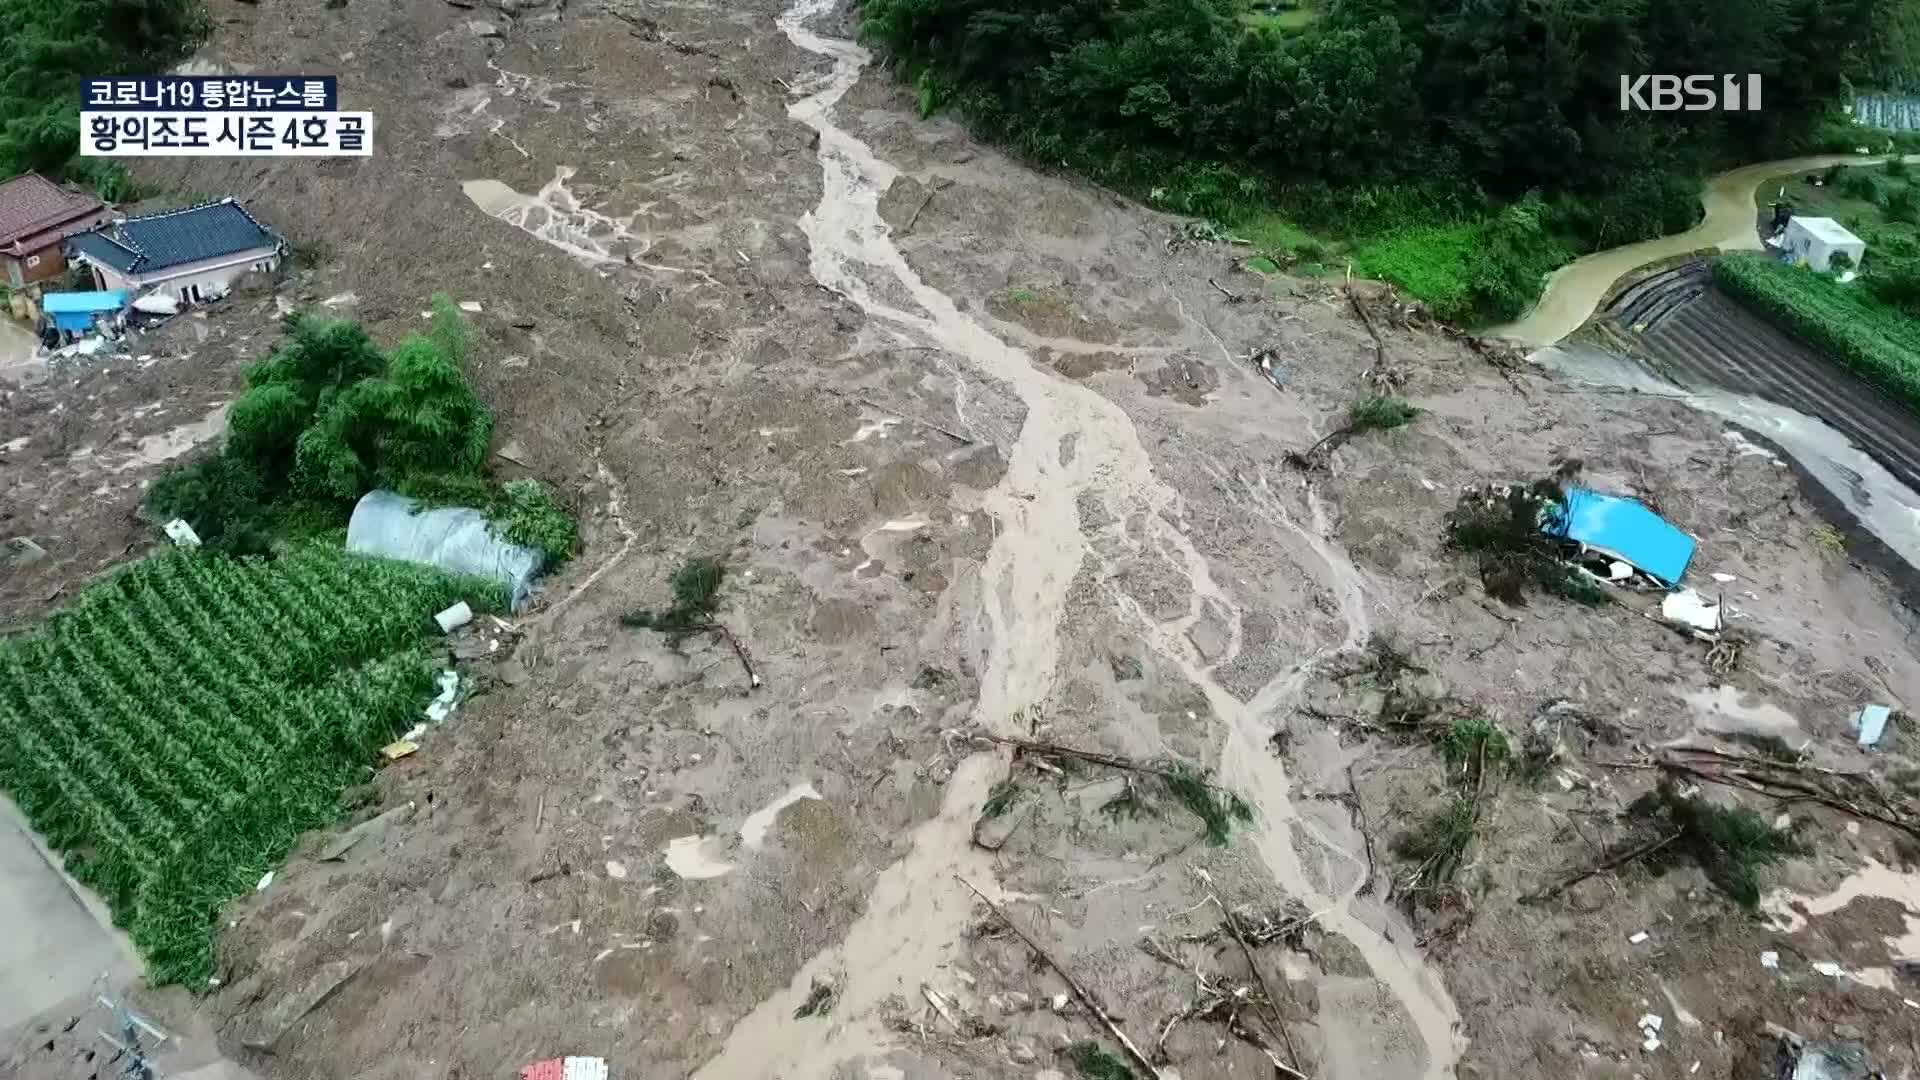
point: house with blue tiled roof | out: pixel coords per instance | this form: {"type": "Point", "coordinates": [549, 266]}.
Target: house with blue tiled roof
{"type": "Point", "coordinates": [193, 254]}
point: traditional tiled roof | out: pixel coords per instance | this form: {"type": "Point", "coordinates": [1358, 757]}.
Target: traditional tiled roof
{"type": "Point", "coordinates": [143, 245]}
{"type": "Point", "coordinates": [32, 204]}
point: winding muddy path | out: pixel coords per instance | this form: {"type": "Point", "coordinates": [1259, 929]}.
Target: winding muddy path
{"type": "Point", "coordinates": [1575, 290]}
{"type": "Point", "coordinates": [917, 912]}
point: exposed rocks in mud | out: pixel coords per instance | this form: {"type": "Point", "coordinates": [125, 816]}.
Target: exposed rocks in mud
{"type": "Point", "coordinates": [1182, 378]}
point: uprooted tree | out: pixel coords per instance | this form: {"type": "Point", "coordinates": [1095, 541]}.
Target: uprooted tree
{"type": "Point", "coordinates": [1375, 412]}
{"type": "Point", "coordinates": [696, 601]}
{"type": "Point", "coordinates": [1504, 527]}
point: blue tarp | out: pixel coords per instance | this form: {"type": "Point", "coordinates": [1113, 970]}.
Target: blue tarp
{"type": "Point", "coordinates": [1625, 530]}
{"type": "Point", "coordinates": [74, 311]}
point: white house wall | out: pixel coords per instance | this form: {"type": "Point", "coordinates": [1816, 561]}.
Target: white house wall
{"type": "Point", "coordinates": [212, 276]}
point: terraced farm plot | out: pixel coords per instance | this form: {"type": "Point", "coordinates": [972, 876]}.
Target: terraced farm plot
{"type": "Point", "coordinates": [1879, 343]}
{"type": "Point", "coordinates": [175, 729]}
{"type": "Point", "coordinates": [1700, 336]}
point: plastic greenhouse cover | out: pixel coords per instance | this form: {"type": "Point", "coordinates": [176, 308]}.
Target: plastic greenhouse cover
{"type": "Point", "coordinates": [455, 539]}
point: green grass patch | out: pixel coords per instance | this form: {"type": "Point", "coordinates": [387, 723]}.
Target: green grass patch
{"type": "Point", "coordinates": [1274, 233]}
{"type": "Point", "coordinates": [1382, 412]}
{"type": "Point", "coordinates": [1473, 740]}
{"type": "Point", "coordinates": [1852, 194]}
{"type": "Point", "coordinates": [1096, 1062]}
{"type": "Point", "coordinates": [696, 595]}
{"type": "Point", "coordinates": [1290, 21]}
{"type": "Point", "coordinates": [1438, 845]}
{"type": "Point", "coordinates": [1260, 264]}
{"type": "Point", "coordinates": [527, 514]}
{"type": "Point", "coordinates": [1217, 807]}
{"type": "Point", "coordinates": [1431, 262]}
{"type": "Point", "coordinates": [1473, 269]}
{"type": "Point", "coordinates": [175, 729]}
{"type": "Point", "coordinates": [1873, 339]}
{"type": "Point", "coordinates": [1000, 799]}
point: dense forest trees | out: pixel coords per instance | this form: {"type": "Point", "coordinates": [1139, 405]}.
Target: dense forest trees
{"type": "Point", "coordinates": [48, 46]}
{"type": "Point", "coordinates": [1382, 112]}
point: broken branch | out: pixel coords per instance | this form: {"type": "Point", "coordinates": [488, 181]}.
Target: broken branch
{"type": "Point", "coordinates": [739, 650]}
{"type": "Point", "coordinates": [1273, 1003]}
{"type": "Point", "coordinates": [948, 432]}
{"type": "Point", "coordinates": [1086, 996]}
{"type": "Point", "coordinates": [940, 1006]}
{"type": "Point", "coordinates": [1366, 829]}
{"type": "Point", "coordinates": [1795, 790]}
{"type": "Point", "coordinates": [963, 440]}
{"type": "Point", "coordinates": [1114, 761]}
{"type": "Point", "coordinates": [915, 216]}
{"type": "Point", "coordinates": [1306, 459]}
{"type": "Point", "coordinates": [1601, 867]}
{"type": "Point", "coordinates": [1379, 346]}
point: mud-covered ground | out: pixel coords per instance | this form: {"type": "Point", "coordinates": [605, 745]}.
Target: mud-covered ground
{"type": "Point", "coordinates": [985, 455]}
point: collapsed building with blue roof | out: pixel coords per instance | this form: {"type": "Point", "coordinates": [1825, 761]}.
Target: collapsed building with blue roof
{"type": "Point", "coordinates": [193, 255]}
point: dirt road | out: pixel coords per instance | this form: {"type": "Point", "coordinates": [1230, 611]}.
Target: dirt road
{"type": "Point", "coordinates": [983, 454]}
{"type": "Point", "coordinates": [1575, 290]}
{"type": "Point", "coordinates": [56, 946]}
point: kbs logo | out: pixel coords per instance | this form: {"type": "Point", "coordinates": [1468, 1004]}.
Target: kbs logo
{"type": "Point", "coordinates": [1691, 93]}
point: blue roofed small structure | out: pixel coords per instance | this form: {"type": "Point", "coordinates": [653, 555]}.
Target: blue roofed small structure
{"type": "Point", "coordinates": [75, 311]}
{"type": "Point", "coordinates": [1625, 530]}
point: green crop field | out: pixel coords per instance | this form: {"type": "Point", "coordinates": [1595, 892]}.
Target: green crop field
{"type": "Point", "coordinates": [175, 729]}
{"type": "Point", "coordinates": [1877, 341]}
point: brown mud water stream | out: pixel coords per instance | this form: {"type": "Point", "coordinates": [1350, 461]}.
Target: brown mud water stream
{"type": "Point", "coordinates": [915, 917]}
{"type": "Point", "coordinates": [1576, 289]}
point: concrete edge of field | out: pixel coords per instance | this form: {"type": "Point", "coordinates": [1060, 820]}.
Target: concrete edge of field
{"type": "Point", "coordinates": [61, 938]}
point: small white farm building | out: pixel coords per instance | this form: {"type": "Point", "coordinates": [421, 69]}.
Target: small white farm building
{"type": "Point", "coordinates": [1816, 240]}
{"type": "Point", "coordinates": [193, 255]}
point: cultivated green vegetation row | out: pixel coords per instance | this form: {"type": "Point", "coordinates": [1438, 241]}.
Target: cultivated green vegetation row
{"type": "Point", "coordinates": [1872, 323]}
{"type": "Point", "coordinates": [176, 728]}
{"type": "Point", "coordinates": [1878, 341]}
{"type": "Point", "coordinates": [1460, 148]}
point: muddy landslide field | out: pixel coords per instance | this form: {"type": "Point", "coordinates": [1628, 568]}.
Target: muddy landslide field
{"type": "Point", "coordinates": [985, 455]}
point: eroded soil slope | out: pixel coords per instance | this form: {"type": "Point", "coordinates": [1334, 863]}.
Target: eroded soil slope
{"type": "Point", "coordinates": [985, 454]}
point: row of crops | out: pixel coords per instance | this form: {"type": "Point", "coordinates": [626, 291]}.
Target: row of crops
{"type": "Point", "coordinates": [175, 729]}
{"type": "Point", "coordinates": [1878, 342]}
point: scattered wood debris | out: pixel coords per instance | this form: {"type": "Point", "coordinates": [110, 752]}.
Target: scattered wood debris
{"type": "Point", "coordinates": [1079, 991]}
